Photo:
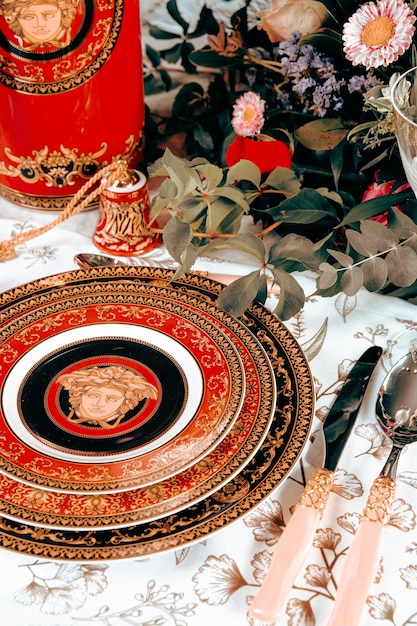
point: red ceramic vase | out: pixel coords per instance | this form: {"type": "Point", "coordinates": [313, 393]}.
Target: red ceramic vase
{"type": "Point", "coordinates": [71, 95]}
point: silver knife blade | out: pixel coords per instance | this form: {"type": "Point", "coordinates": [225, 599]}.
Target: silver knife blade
{"type": "Point", "coordinates": [342, 415]}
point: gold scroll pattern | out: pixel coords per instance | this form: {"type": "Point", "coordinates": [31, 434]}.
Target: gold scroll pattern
{"type": "Point", "coordinates": [60, 168]}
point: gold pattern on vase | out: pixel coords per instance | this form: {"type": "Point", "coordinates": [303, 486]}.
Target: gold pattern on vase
{"type": "Point", "coordinates": [57, 32]}
{"type": "Point", "coordinates": [57, 169]}
{"type": "Point", "coordinates": [122, 226]}
{"type": "Point", "coordinates": [60, 60]}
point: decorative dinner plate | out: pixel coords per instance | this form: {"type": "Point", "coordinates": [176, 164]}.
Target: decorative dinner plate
{"type": "Point", "coordinates": [110, 393]}
{"type": "Point", "coordinates": [53, 508]}
{"type": "Point", "coordinates": [254, 481]}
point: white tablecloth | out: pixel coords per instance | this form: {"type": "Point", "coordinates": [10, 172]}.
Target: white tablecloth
{"type": "Point", "coordinates": [212, 582]}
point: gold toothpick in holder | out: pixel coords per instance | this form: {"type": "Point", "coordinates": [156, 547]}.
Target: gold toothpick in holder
{"type": "Point", "coordinates": [107, 176]}
{"type": "Point", "coordinates": [124, 212]}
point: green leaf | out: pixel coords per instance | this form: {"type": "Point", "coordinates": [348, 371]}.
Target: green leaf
{"type": "Point", "coordinates": [203, 139]}
{"type": "Point", "coordinates": [244, 242]}
{"type": "Point", "coordinates": [370, 208]}
{"type": "Point", "coordinates": [262, 294]}
{"type": "Point", "coordinates": [211, 176]}
{"type": "Point", "coordinates": [330, 195]}
{"type": "Point", "coordinates": [176, 236]}
{"type": "Point", "coordinates": [235, 195]}
{"type": "Point", "coordinates": [352, 280]}
{"type": "Point", "coordinates": [293, 247]}
{"type": "Point", "coordinates": [402, 266]}
{"type": "Point", "coordinates": [337, 160]}
{"type": "Point", "coordinates": [168, 189]}
{"type": "Point", "coordinates": [307, 207]}
{"type": "Point", "coordinates": [157, 33]}
{"type": "Point", "coordinates": [188, 94]}
{"type": "Point", "coordinates": [283, 179]}
{"type": "Point", "coordinates": [172, 9]}
{"type": "Point", "coordinates": [172, 55]}
{"type": "Point", "coordinates": [188, 258]}
{"type": "Point", "coordinates": [244, 170]}
{"type": "Point", "coordinates": [409, 293]}
{"type": "Point", "coordinates": [291, 297]}
{"type": "Point", "coordinates": [153, 56]}
{"type": "Point", "coordinates": [360, 243]}
{"type": "Point", "coordinates": [322, 134]}
{"type": "Point", "coordinates": [180, 172]}
{"type": "Point", "coordinates": [344, 259]}
{"type": "Point", "coordinates": [239, 295]}
{"type": "Point", "coordinates": [328, 276]}
{"type": "Point", "coordinates": [375, 273]}
{"type": "Point", "coordinates": [225, 217]}
{"type": "Point", "coordinates": [402, 225]}
{"type": "Point", "coordinates": [206, 57]}
{"type": "Point", "coordinates": [166, 79]}
{"type": "Point", "coordinates": [383, 237]}
{"type": "Point", "coordinates": [193, 211]}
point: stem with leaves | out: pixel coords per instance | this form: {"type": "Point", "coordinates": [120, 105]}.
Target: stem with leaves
{"type": "Point", "coordinates": [350, 250]}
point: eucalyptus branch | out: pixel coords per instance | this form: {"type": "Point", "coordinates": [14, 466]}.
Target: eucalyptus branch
{"type": "Point", "coordinates": [198, 234]}
{"type": "Point", "coordinates": [205, 203]}
{"type": "Point", "coordinates": [378, 254]}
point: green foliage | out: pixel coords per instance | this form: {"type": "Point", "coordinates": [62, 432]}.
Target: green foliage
{"type": "Point", "coordinates": [316, 207]}
{"type": "Point", "coordinates": [207, 204]}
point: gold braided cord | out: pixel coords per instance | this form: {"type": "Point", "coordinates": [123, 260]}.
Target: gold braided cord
{"type": "Point", "coordinates": [77, 204]}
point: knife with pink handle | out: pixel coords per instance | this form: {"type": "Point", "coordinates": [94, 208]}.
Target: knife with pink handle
{"type": "Point", "coordinates": [295, 542]}
{"type": "Point", "coordinates": [396, 409]}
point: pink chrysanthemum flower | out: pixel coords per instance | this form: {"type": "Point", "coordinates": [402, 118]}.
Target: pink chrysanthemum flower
{"type": "Point", "coordinates": [248, 114]}
{"type": "Point", "coordinates": [378, 33]}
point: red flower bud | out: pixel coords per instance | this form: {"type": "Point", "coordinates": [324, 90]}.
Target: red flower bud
{"type": "Point", "coordinates": [267, 155]}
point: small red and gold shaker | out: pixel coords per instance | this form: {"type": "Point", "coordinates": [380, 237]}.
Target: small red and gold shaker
{"type": "Point", "coordinates": [122, 227]}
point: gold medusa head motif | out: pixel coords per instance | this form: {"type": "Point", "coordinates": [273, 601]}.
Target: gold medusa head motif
{"type": "Point", "coordinates": [101, 396]}
{"type": "Point", "coordinates": [40, 22]}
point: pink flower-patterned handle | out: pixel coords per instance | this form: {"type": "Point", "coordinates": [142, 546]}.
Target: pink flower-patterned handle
{"type": "Point", "coordinates": [361, 562]}
{"type": "Point", "coordinates": [292, 549]}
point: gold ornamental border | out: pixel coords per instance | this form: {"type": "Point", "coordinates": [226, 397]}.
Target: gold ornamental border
{"type": "Point", "coordinates": [58, 169]}
{"type": "Point", "coordinates": [72, 82]}
{"type": "Point", "coordinates": [40, 203]}
{"type": "Point", "coordinates": [28, 329]}
{"type": "Point", "coordinates": [272, 462]}
{"type": "Point", "coordinates": [239, 445]}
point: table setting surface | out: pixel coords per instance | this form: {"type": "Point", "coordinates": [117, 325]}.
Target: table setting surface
{"type": "Point", "coordinates": [215, 577]}
{"type": "Point", "coordinates": [126, 549]}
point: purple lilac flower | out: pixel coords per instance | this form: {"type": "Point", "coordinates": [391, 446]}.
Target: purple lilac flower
{"type": "Point", "coordinates": [362, 83]}
{"type": "Point", "coordinates": [312, 84]}
{"type": "Point", "coordinates": [284, 100]}
{"type": "Point", "coordinates": [302, 85]}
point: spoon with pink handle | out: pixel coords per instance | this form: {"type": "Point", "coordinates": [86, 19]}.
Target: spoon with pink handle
{"type": "Point", "coordinates": [397, 414]}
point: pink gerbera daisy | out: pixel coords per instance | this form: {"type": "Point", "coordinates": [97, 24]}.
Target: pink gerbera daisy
{"type": "Point", "coordinates": [248, 114]}
{"type": "Point", "coordinates": [378, 33]}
